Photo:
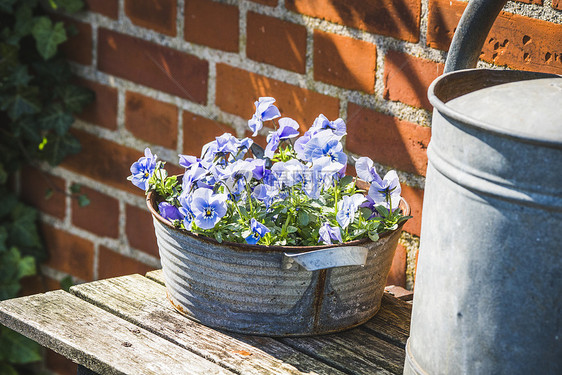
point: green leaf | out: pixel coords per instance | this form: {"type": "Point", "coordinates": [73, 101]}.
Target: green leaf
{"type": "Point", "coordinates": [75, 188]}
{"type": "Point", "coordinates": [24, 101]}
{"type": "Point", "coordinates": [292, 229]}
{"type": "Point", "coordinates": [3, 239]}
{"type": "Point", "coordinates": [303, 218]}
{"type": "Point", "coordinates": [66, 283]}
{"type": "Point", "coordinates": [20, 76]}
{"type": "Point", "coordinates": [58, 147]}
{"type": "Point", "coordinates": [24, 21]}
{"type": "Point", "coordinates": [9, 58]}
{"type": "Point", "coordinates": [26, 266]}
{"type": "Point", "coordinates": [83, 200]}
{"type": "Point", "coordinates": [75, 97]}
{"type": "Point", "coordinates": [7, 203]}
{"type": "Point", "coordinates": [17, 348]}
{"type": "Point", "coordinates": [56, 118]}
{"type": "Point", "coordinates": [48, 36]}
{"type": "Point", "coordinates": [27, 127]}
{"type": "Point", "coordinates": [3, 174]}
{"type": "Point", "coordinates": [374, 236]}
{"type": "Point", "coordinates": [6, 6]}
{"type": "Point", "coordinates": [382, 210]}
{"type": "Point", "coordinates": [23, 229]}
{"type": "Point", "coordinates": [71, 6]}
{"type": "Point", "coordinates": [6, 369]}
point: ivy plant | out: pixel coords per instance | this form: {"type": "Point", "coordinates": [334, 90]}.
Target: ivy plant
{"type": "Point", "coordinates": [37, 103]}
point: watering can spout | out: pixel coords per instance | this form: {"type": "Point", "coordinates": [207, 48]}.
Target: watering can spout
{"type": "Point", "coordinates": [473, 28]}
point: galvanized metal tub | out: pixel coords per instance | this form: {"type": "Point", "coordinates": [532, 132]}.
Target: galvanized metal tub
{"type": "Point", "coordinates": [260, 290]}
{"type": "Point", "coordinates": [488, 293]}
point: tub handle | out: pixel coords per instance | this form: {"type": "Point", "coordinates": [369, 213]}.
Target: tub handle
{"type": "Point", "coordinates": [327, 258]}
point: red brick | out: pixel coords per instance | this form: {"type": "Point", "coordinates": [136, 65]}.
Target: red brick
{"type": "Point", "coordinates": [276, 42]}
{"type": "Point", "coordinates": [516, 41]}
{"type": "Point", "coordinates": [197, 131]}
{"type": "Point", "coordinates": [78, 47]}
{"type": "Point", "coordinates": [538, 2]}
{"type": "Point", "coordinates": [109, 8]}
{"type": "Point", "coordinates": [34, 187]}
{"type": "Point", "coordinates": [38, 284]}
{"type": "Point", "coordinates": [151, 120]}
{"type": "Point", "coordinates": [140, 230]}
{"type": "Point", "coordinates": [158, 15]}
{"type": "Point", "coordinates": [68, 253]}
{"type": "Point", "coordinates": [344, 62]}
{"type": "Point", "coordinates": [238, 89]}
{"type": "Point", "coordinates": [399, 19]}
{"type": "Point", "coordinates": [104, 161]}
{"type": "Point", "coordinates": [103, 110]}
{"type": "Point", "coordinates": [557, 4]}
{"type": "Point", "coordinates": [271, 3]}
{"type": "Point", "coordinates": [100, 217]}
{"type": "Point", "coordinates": [407, 78]}
{"type": "Point", "coordinates": [414, 197]}
{"type": "Point", "coordinates": [397, 275]}
{"type": "Point", "coordinates": [112, 264]}
{"type": "Point", "coordinates": [212, 24]}
{"type": "Point", "coordinates": [155, 66]}
{"type": "Point", "coordinates": [387, 140]}
{"type": "Point", "coordinates": [59, 364]}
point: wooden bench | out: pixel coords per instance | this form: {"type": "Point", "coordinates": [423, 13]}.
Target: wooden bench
{"type": "Point", "coordinates": [125, 325]}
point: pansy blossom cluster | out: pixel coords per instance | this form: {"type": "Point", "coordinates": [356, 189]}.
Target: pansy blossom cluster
{"type": "Point", "coordinates": [293, 192]}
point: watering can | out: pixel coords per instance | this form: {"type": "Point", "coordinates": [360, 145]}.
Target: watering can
{"type": "Point", "coordinates": [488, 294]}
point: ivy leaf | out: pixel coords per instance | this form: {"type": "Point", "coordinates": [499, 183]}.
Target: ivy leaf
{"type": "Point", "coordinates": [71, 6]}
{"type": "Point", "coordinates": [19, 349]}
{"type": "Point", "coordinates": [66, 283]}
{"type": "Point", "coordinates": [83, 200]}
{"type": "Point", "coordinates": [23, 231]}
{"type": "Point", "coordinates": [48, 36]}
{"type": "Point", "coordinates": [56, 118]}
{"type": "Point", "coordinates": [7, 203]}
{"type": "Point", "coordinates": [28, 128]}
{"type": "Point", "coordinates": [58, 147]}
{"type": "Point", "coordinates": [24, 101]}
{"type": "Point", "coordinates": [3, 239]}
{"type": "Point", "coordinates": [6, 6]}
{"type": "Point", "coordinates": [24, 21]}
{"type": "Point", "coordinates": [9, 58]}
{"type": "Point", "coordinates": [75, 97]}
{"type": "Point", "coordinates": [7, 369]}
{"type": "Point", "coordinates": [20, 76]}
{"type": "Point", "coordinates": [53, 72]}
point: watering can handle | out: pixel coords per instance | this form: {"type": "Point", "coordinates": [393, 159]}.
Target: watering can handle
{"type": "Point", "coordinates": [472, 30]}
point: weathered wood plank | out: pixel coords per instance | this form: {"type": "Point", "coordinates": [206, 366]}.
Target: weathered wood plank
{"type": "Point", "coordinates": [356, 350]}
{"type": "Point", "coordinates": [392, 322]}
{"type": "Point", "coordinates": [144, 303]}
{"type": "Point", "coordinates": [98, 339]}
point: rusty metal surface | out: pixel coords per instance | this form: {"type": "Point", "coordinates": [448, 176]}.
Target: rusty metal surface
{"type": "Point", "coordinates": [249, 291]}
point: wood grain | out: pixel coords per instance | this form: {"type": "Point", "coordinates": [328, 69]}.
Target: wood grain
{"type": "Point", "coordinates": [143, 302]}
{"type": "Point", "coordinates": [98, 339]}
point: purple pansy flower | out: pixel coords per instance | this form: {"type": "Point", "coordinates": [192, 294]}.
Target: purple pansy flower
{"type": "Point", "coordinates": [386, 192]}
{"type": "Point", "coordinates": [328, 234]}
{"type": "Point", "coordinates": [169, 211]}
{"type": "Point", "coordinates": [185, 209]}
{"type": "Point", "coordinates": [325, 145]}
{"type": "Point", "coordinates": [258, 231]}
{"type": "Point", "coordinates": [347, 208]}
{"type": "Point", "coordinates": [288, 128]}
{"type": "Point", "coordinates": [337, 127]}
{"type": "Point", "coordinates": [288, 173]}
{"type": "Point", "coordinates": [187, 160]}
{"type": "Point", "coordinates": [366, 170]}
{"type": "Point", "coordinates": [142, 170]}
{"type": "Point", "coordinates": [265, 193]}
{"type": "Point", "coordinates": [208, 208]}
{"type": "Point", "coordinates": [265, 111]}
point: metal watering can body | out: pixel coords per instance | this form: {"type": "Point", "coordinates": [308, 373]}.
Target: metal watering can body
{"type": "Point", "coordinates": [488, 295]}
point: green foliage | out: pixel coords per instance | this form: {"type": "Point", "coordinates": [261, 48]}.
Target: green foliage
{"type": "Point", "coordinates": [37, 103]}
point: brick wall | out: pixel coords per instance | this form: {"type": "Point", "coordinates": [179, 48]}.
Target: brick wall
{"type": "Point", "coordinates": [172, 75]}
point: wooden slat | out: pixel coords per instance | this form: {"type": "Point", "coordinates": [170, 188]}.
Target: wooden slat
{"type": "Point", "coordinates": [356, 350]}
{"type": "Point", "coordinates": [392, 322]}
{"type": "Point", "coordinates": [364, 350]}
{"type": "Point", "coordinates": [144, 303]}
{"type": "Point", "coordinates": [98, 339]}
